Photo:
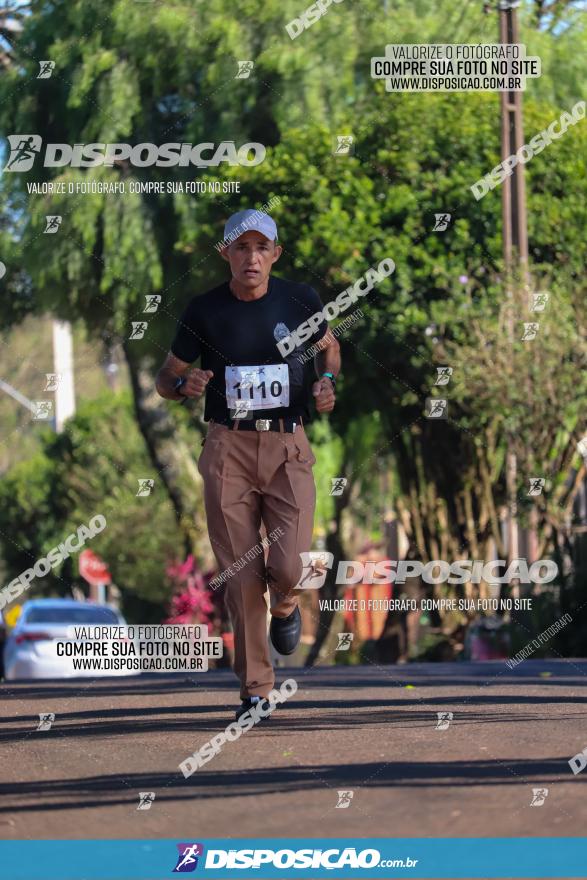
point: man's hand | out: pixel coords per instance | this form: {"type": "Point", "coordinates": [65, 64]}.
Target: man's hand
{"type": "Point", "coordinates": [195, 382]}
{"type": "Point", "coordinates": [173, 369]}
{"type": "Point", "coordinates": [324, 396]}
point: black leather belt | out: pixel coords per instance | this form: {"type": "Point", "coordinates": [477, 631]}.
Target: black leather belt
{"type": "Point", "coordinates": [285, 425]}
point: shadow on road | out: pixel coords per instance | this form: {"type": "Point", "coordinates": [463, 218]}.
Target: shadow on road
{"type": "Point", "coordinates": [98, 791]}
{"type": "Point", "coordinates": [363, 713]}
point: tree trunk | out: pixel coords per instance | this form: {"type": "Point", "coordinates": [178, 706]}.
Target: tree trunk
{"type": "Point", "coordinates": [330, 588]}
{"type": "Point", "coordinates": [169, 454]}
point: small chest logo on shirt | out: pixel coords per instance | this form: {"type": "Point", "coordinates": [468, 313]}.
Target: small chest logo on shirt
{"type": "Point", "coordinates": [280, 332]}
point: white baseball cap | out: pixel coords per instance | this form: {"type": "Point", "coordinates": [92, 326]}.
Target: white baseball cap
{"type": "Point", "coordinates": [247, 221]}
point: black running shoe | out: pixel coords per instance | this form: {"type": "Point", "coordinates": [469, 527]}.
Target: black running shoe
{"type": "Point", "coordinates": [248, 704]}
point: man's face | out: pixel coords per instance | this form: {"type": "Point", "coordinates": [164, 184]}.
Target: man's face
{"type": "Point", "coordinates": [251, 257]}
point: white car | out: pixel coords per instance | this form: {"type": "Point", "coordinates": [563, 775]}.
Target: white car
{"type": "Point", "coordinates": [30, 650]}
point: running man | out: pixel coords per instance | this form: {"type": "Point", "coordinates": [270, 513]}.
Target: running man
{"type": "Point", "coordinates": [256, 463]}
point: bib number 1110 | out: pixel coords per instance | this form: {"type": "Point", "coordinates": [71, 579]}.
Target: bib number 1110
{"type": "Point", "coordinates": [248, 391]}
{"type": "Point", "coordinates": [257, 387]}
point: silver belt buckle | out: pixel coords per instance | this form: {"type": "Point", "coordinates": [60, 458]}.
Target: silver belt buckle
{"type": "Point", "coordinates": [263, 424]}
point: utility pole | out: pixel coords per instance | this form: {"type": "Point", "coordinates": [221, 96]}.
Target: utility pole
{"type": "Point", "coordinates": [63, 365]}
{"type": "Point", "coordinates": [515, 229]}
{"type": "Point", "coordinates": [515, 242]}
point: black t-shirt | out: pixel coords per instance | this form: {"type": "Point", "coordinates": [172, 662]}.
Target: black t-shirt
{"type": "Point", "coordinates": [227, 332]}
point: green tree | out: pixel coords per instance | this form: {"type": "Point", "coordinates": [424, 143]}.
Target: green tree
{"type": "Point", "coordinates": [92, 468]}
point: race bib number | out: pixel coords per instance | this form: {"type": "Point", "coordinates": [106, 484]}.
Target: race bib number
{"type": "Point", "coordinates": [264, 387]}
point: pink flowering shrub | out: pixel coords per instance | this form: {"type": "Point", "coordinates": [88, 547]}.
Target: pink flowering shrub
{"type": "Point", "coordinates": [192, 600]}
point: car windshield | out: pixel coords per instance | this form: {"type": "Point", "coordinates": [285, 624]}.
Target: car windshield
{"type": "Point", "coordinates": [83, 614]}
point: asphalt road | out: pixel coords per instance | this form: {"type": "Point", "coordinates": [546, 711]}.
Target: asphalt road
{"type": "Point", "coordinates": [369, 730]}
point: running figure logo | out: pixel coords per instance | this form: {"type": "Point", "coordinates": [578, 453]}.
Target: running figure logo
{"type": "Point", "coordinates": [244, 69]}
{"type": "Point", "coordinates": [241, 411]}
{"type": "Point", "coordinates": [145, 486]}
{"type": "Point", "coordinates": [188, 857]}
{"type": "Point", "coordinates": [53, 222]}
{"type": "Point", "coordinates": [444, 374]}
{"type": "Point", "coordinates": [53, 380]}
{"type": "Point", "coordinates": [315, 565]}
{"type": "Point", "coordinates": [338, 485]}
{"type": "Point", "coordinates": [536, 486]}
{"type": "Point", "coordinates": [344, 145]}
{"type": "Point", "coordinates": [23, 149]}
{"type": "Point", "coordinates": [42, 409]}
{"type": "Point", "coordinates": [46, 719]}
{"type": "Point", "coordinates": [539, 795]}
{"type": "Point", "coordinates": [436, 408]}
{"type": "Point", "coordinates": [441, 222]}
{"type": "Point", "coordinates": [138, 329]}
{"type": "Point", "coordinates": [530, 331]}
{"type": "Point", "coordinates": [539, 302]}
{"type": "Point", "coordinates": [152, 302]}
{"type": "Point", "coordinates": [444, 719]}
{"type": "Point", "coordinates": [146, 798]}
{"type": "Point", "coordinates": [46, 68]}
{"type": "Point", "coordinates": [344, 800]}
